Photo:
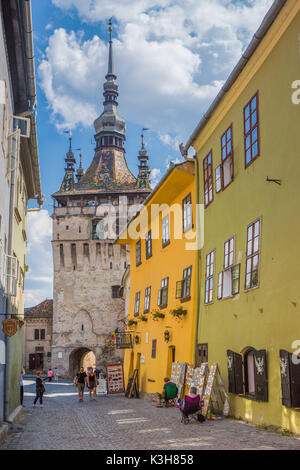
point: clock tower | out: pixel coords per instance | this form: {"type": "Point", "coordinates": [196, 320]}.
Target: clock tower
{"type": "Point", "coordinates": [88, 267]}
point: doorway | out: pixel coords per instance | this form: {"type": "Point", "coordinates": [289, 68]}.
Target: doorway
{"type": "Point", "coordinates": [81, 357]}
{"type": "Point", "coordinates": [36, 361]}
{"type": "Point", "coordinates": [202, 353]}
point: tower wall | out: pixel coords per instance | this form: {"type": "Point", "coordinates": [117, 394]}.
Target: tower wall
{"type": "Point", "coordinates": [84, 310]}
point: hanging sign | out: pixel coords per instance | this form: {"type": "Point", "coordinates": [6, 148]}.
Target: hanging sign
{"type": "Point", "coordinates": [10, 326]}
{"type": "Point", "coordinates": [115, 378]}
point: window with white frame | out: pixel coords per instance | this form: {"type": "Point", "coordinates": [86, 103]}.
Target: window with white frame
{"type": "Point", "coordinates": [147, 299]}
{"type": "Point", "coordinates": [137, 304]}
{"type": "Point", "coordinates": [229, 253]}
{"type": "Point", "coordinates": [187, 213]}
{"type": "Point", "coordinates": [224, 172]}
{"type": "Point", "coordinates": [229, 282]}
{"type": "Point", "coordinates": [11, 275]}
{"type": "Point", "coordinates": [138, 259]}
{"type": "Point", "coordinates": [148, 244]}
{"type": "Point", "coordinates": [209, 277]}
{"type": "Point", "coordinates": [208, 179]}
{"type": "Point", "coordinates": [163, 293]}
{"type": "Point", "coordinates": [253, 254]}
{"type": "Point", "coordinates": [166, 230]}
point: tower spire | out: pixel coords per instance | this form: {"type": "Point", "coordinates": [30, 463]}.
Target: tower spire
{"type": "Point", "coordinates": [68, 181]}
{"type": "Point", "coordinates": [144, 170]}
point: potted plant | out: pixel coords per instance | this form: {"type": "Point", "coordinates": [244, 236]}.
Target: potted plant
{"type": "Point", "coordinates": [132, 322]}
{"type": "Point", "coordinates": [142, 318]}
{"type": "Point", "coordinates": [156, 315]}
{"type": "Point", "coordinates": [178, 313]}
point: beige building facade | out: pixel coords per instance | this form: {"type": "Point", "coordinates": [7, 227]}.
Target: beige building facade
{"type": "Point", "coordinates": [38, 337]}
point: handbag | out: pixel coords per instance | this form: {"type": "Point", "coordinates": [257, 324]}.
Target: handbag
{"type": "Point", "coordinates": [43, 388]}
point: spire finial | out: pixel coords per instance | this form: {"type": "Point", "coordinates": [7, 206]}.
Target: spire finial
{"type": "Point", "coordinates": [110, 28]}
{"type": "Point", "coordinates": [110, 57]}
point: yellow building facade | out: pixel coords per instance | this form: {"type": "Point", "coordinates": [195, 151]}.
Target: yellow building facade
{"type": "Point", "coordinates": [248, 154]}
{"type": "Point", "coordinates": [161, 313]}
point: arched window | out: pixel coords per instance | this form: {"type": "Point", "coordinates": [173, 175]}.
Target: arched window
{"type": "Point", "coordinates": [249, 371]}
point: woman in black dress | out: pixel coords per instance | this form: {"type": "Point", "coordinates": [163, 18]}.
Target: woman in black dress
{"type": "Point", "coordinates": [91, 382]}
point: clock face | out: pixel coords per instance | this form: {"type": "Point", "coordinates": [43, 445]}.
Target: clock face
{"type": "Point", "coordinates": [100, 230]}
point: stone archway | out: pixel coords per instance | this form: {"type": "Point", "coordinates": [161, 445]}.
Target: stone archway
{"type": "Point", "coordinates": [81, 357]}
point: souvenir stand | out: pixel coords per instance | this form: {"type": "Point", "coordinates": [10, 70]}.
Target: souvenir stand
{"type": "Point", "coordinates": [215, 395]}
{"type": "Point", "coordinates": [178, 376]}
{"type": "Point", "coordinates": [199, 378]}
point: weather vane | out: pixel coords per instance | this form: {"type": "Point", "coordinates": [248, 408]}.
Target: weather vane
{"type": "Point", "coordinates": [142, 135]}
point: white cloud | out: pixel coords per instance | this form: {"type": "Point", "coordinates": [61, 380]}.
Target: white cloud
{"type": "Point", "coordinates": [39, 279]}
{"type": "Point", "coordinates": [171, 59]}
{"type": "Point", "coordinates": [155, 177]}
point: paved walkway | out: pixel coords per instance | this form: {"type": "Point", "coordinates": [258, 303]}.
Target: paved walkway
{"type": "Point", "coordinates": [115, 422]}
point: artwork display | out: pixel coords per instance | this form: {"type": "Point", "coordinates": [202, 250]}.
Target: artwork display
{"type": "Point", "coordinates": [101, 387]}
{"type": "Point", "coordinates": [115, 378]}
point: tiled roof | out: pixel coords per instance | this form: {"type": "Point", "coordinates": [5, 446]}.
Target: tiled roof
{"type": "Point", "coordinates": [42, 310]}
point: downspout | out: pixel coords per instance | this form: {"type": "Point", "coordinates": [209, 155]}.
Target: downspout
{"type": "Point", "coordinates": [198, 253]}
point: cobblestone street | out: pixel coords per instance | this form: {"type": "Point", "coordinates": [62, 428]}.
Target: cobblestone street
{"type": "Point", "coordinates": [115, 422]}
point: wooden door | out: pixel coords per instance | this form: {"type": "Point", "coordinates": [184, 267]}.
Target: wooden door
{"type": "Point", "coordinates": [202, 355]}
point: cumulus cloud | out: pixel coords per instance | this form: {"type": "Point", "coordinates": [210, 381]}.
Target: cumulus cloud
{"type": "Point", "coordinates": [171, 59]}
{"type": "Point", "coordinates": [155, 177]}
{"type": "Point", "coordinates": [38, 281]}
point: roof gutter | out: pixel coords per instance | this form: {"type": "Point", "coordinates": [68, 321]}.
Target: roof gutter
{"type": "Point", "coordinates": [30, 72]}
{"type": "Point", "coordinates": [257, 38]}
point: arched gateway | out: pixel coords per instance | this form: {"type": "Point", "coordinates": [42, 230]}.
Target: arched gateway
{"type": "Point", "coordinates": [81, 357]}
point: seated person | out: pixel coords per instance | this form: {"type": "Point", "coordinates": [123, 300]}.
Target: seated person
{"type": "Point", "coordinates": [192, 404]}
{"type": "Point", "coordinates": [169, 392]}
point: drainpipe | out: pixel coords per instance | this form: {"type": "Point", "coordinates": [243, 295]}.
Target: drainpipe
{"type": "Point", "coordinates": [198, 255]}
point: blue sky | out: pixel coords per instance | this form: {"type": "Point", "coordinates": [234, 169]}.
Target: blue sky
{"type": "Point", "coordinates": [171, 58]}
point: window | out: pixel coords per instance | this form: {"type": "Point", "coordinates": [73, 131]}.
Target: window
{"type": "Point", "coordinates": [73, 255]}
{"type": "Point", "coordinates": [163, 293]}
{"type": "Point", "coordinates": [208, 179]}
{"type": "Point", "coordinates": [98, 229]}
{"type": "Point", "coordinates": [253, 368]}
{"type": "Point", "coordinates": [187, 213]}
{"type": "Point", "coordinates": [147, 299]}
{"type": "Point", "coordinates": [153, 354]}
{"type": "Point", "coordinates": [229, 282]}
{"type": "Point", "coordinates": [138, 253]}
{"type": "Point", "coordinates": [251, 130]}
{"type": "Point", "coordinates": [202, 350]}
{"type": "Point", "coordinates": [115, 292]}
{"type": "Point", "coordinates": [290, 379]}
{"type": "Point", "coordinates": [209, 277]}
{"type": "Point", "coordinates": [36, 334]}
{"type": "Point", "coordinates": [137, 304]}
{"type": "Point", "coordinates": [42, 334]}
{"type": "Point", "coordinates": [229, 253]}
{"type": "Point", "coordinates": [61, 255]}
{"type": "Point", "coordinates": [86, 251]}
{"type": "Point", "coordinates": [148, 244]}
{"type": "Point", "coordinates": [166, 230]}
{"type": "Point", "coordinates": [183, 288]}
{"type": "Point", "coordinates": [253, 254]}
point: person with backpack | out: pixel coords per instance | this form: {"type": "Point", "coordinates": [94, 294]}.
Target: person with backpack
{"type": "Point", "coordinates": [40, 389]}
